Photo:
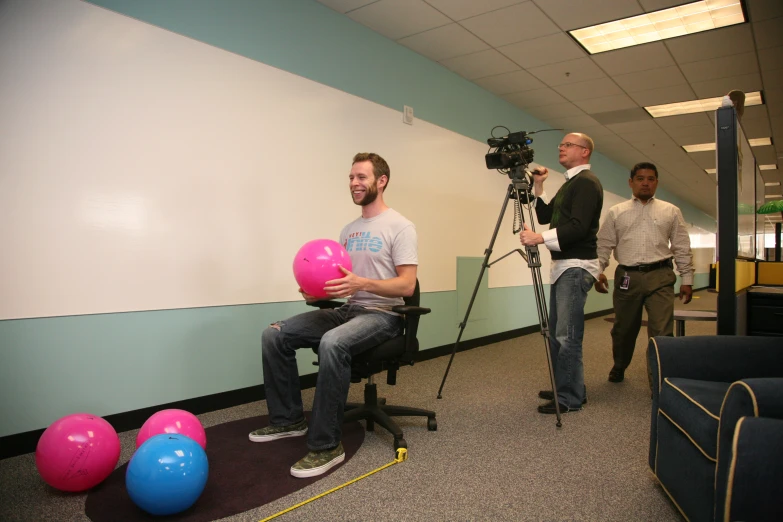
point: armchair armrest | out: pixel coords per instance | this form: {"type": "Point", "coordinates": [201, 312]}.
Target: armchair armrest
{"type": "Point", "coordinates": [752, 484]}
{"type": "Point", "coordinates": [748, 398]}
{"type": "Point", "coordinates": [412, 310]}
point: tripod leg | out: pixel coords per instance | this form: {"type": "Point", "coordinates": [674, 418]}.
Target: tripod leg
{"type": "Point", "coordinates": [484, 265]}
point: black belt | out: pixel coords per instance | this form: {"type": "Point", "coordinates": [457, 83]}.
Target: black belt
{"type": "Point", "coordinates": [650, 266]}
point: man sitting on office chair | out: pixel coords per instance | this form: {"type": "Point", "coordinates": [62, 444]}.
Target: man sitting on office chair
{"type": "Point", "coordinates": [383, 248]}
{"type": "Point", "coordinates": [640, 231]}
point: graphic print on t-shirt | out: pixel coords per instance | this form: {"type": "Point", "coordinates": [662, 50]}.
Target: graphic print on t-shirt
{"type": "Point", "coordinates": [361, 241]}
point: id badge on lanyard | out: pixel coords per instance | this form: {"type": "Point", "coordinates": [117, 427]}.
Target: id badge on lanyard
{"type": "Point", "coordinates": [625, 282]}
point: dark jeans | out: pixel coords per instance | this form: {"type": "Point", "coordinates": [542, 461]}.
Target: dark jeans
{"type": "Point", "coordinates": [339, 334]}
{"type": "Point", "coordinates": [567, 297]}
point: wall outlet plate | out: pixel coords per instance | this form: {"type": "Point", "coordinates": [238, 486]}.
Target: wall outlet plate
{"type": "Point", "coordinates": [407, 115]}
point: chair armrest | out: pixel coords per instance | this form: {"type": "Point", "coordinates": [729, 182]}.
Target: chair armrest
{"type": "Point", "coordinates": [325, 304]}
{"type": "Point", "coordinates": [411, 310]}
{"type": "Point", "coordinates": [752, 485]}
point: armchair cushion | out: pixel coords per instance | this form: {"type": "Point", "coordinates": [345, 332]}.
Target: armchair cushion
{"type": "Point", "coordinates": [694, 407]}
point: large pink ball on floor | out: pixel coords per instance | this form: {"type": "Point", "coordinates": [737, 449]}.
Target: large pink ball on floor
{"type": "Point", "coordinates": [172, 421]}
{"type": "Point", "coordinates": [77, 452]}
{"type": "Point", "coordinates": [319, 261]}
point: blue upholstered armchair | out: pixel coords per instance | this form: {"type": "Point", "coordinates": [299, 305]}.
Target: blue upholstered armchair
{"type": "Point", "coordinates": [716, 433]}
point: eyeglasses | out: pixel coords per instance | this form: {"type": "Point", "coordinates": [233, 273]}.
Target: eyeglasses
{"type": "Point", "coordinates": [568, 145]}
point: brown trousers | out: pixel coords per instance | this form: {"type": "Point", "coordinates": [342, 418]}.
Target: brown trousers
{"type": "Point", "coordinates": [652, 290]}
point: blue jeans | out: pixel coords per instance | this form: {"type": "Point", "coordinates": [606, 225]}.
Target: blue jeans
{"type": "Point", "coordinates": [339, 334]}
{"type": "Point", "coordinates": [567, 297]}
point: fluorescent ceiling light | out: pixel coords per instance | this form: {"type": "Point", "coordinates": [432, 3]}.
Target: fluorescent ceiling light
{"type": "Point", "coordinates": [767, 167]}
{"type": "Point", "coordinates": [710, 171]}
{"type": "Point", "coordinates": [703, 147]}
{"type": "Point", "coordinates": [770, 196]}
{"type": "Point", "coordinates": [772, 184]}
{"type": "Point", "coordinates": [660, 25]}
{"type": "Point", "coordinates": [703, 105]}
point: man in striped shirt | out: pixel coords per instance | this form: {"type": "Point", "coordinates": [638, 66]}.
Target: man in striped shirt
{"type": "Point", "coordinates": [645, 234]}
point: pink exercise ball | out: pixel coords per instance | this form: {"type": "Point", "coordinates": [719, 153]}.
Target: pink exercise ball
{"type": "Point", "coordinates": [173, 421]}
{"type": "Point", "coordinates": [77, 452]}
{"type": "Point", "coordinates": [317, 262]}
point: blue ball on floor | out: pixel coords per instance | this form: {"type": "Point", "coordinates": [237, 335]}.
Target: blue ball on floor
{"type": "Point", "coordinates": [167, 474]}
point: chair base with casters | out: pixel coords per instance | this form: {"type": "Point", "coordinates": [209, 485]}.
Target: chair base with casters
{"type": "Point", "coordinates": [375, 410]}
{"type": "Point", "coordinates": [387, 356]}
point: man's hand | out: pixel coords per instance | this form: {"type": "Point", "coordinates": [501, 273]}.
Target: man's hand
{"type": "Point", "coordinates": [602, 284]}
{"type": "Point", "coordinates": [539, 175]}
{"type": "Point", "coordinates": [686, 293]}
{"type": "Point", "coordinates": [529, 238]}
{"type": "Point", "coordinates": [307, 297]}
{"type": "Point", "coordinates": [347, 286]}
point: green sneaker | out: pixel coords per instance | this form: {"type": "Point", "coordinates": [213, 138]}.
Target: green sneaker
{"type": "Point", "coordinates": [318, 462]}
{"type": "Point", "coordinates": [278, 432]}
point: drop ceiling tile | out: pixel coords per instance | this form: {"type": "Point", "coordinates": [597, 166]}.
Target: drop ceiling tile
{"type": "Point", "coordinates": [560, 110]}
{"type": "Point", "coordinates": [606, 104]}
{"type": "Point", "coordinates": [705, 160]}
{"type": "Point", "coordinates": [692, 135]}
{"type": "Point", "coordinates": [675, 93]}
{"type": "Point", "coordinates": [461, 9]}
{"type": "Point", "coordinates": [774, 100]}
{"type": "Point", "coordinates": [343, 6]}
{"type": "Point", "coordinates": [683, 120]}
{"type": "Point", "coordinates": [480, 64]}
{"type": "Point", "coordinates": [574, 15]}
{"type": "Point", "coordinates": [397, 19]}
{"type": "Point", "coordinates": [444, 42]}
{"type": "Point", "coordinates": [771, 58]}
{"type": "Point", "coordinates": [573, 71]}
{"type": "Point", "coordinates": [622, 116]}
{"type": "Point", "coordinates": [764, 9]}
{"type": "Point", "coordinates": [548, 49]}
{"type": "Point", "coordinates": [650, 79]}
{"type": "Point", "coordinates": [577, 123]}
{"type": "Point", "coordinates": [589, 89]}
{"type": "Point", "coordinates": [769, 33]}
{"type": "Point", "coordinates": [657, 5]}
{"type": "Point", "coordinates": [507, 83]}
{"type": "Point", "coordinates": [735, 65]}
{"type": "Point", "coordinates": [535, 98]}
{"type": "Point", "coordinates": [773, 77]}
{"type": "Point", "coordinates": [597, 131]}
{"type": "Point", "coordinates": [726, 41]}
{"type": "Point", "coordinates": [633, 59]}
{"type": "Point", "coordinates": [756, 127]}
{"type": "Point", "coordinates": [512, 24]}
{"type": "Point", "coordinates": [721, 86]}
{"type": "Point", "coordinates": [765, 155]}
{"type": "Point", "coordinates": [633, 126]}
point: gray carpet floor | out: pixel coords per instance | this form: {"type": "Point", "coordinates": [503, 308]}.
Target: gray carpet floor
{"type": "Point", "coordinates": [494, 457]}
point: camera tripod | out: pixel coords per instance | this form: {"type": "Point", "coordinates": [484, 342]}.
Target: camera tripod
{"type": "Point", "coordinates": [519, 192]}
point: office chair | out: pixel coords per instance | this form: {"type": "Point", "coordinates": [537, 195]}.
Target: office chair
{"type": "Point", "coordinates": [387, 356]}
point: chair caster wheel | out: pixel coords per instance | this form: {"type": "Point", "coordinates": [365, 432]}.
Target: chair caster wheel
{"type": "Point", "coordinates": [432, 424]}
{"type": "Point", "coordinates": [400, 443]}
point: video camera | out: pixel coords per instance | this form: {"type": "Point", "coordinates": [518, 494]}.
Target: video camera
{"type": "Point", "coordinates": [510, 151]}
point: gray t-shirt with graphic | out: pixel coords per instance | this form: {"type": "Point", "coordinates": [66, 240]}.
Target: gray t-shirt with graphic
{"type": "Point", "coordinates": [377, 246]}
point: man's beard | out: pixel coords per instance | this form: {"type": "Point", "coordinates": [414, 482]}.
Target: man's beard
{"type": "Point", "coordinates": [370, 195]}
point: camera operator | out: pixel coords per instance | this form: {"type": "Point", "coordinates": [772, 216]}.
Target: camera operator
{"type": "Point", "coordinates": [573, 216]}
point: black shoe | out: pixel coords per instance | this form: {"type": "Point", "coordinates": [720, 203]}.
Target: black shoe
{"type": "Point", "coordinates": [616, 375]}
{"type": "Point", "coordinates": [549, 408]}
{"type": "Point", "coordinates": [547, 395]}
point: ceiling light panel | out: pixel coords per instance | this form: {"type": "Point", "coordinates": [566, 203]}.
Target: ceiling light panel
{"type": "Point", "coordinates": [660, 25]}
{"type": "Point", "coordinates": [693, 106]}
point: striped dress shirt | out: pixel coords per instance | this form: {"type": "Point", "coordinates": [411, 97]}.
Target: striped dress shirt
{"type": "Point", "coordinates": [642, 234]}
